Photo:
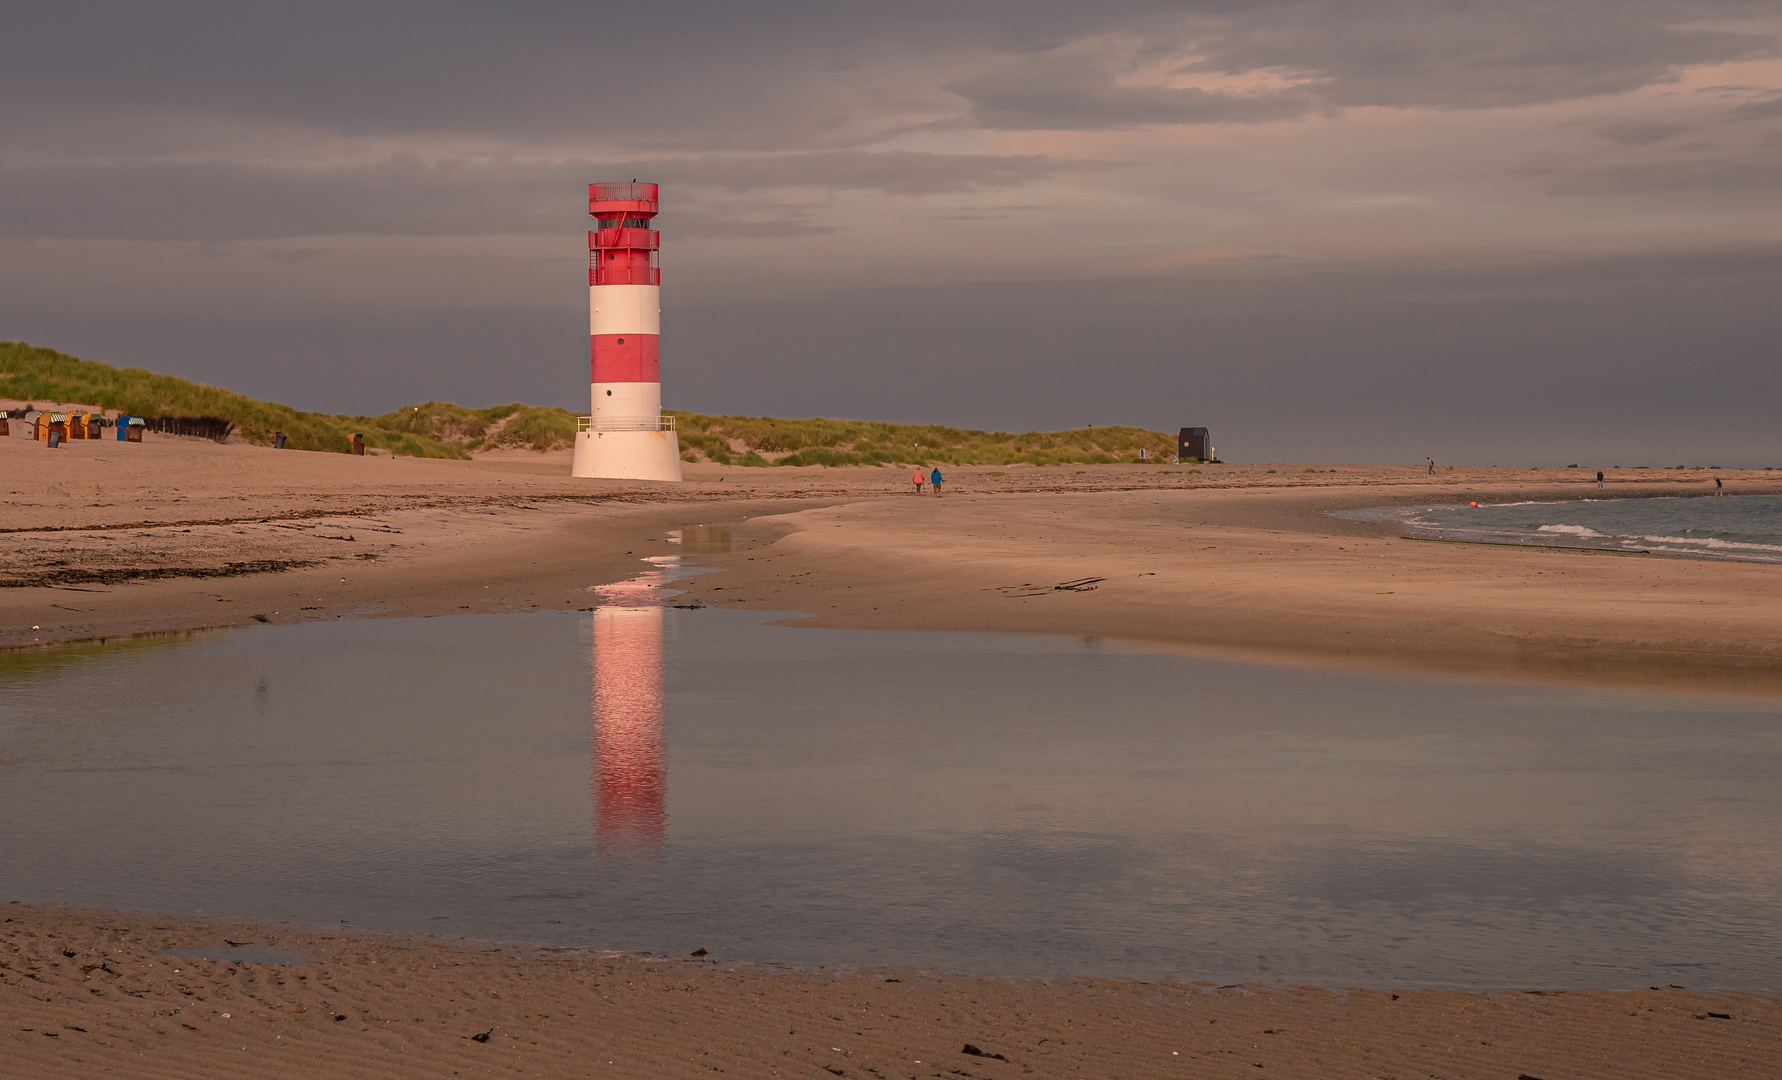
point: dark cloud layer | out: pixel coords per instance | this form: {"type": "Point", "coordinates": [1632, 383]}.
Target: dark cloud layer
{"type": "Point", "coordinates": [1515, 364]}
{"type": "Point", "coordinates": [784, 74]}
{"type": "Point", "coordinates": [691, 73]}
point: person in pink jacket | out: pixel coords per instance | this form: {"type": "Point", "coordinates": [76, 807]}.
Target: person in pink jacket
{"type": "Point", "coordinates": [918, 479]}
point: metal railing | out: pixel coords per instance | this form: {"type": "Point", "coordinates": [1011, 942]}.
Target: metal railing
{"type": "Point", "coordinates": [624, 423]}
{"type": "Point", "coordinates": [622, 192]}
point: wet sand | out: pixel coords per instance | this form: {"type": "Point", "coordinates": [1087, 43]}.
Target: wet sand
{"type": "Point", "coordinates": [1270, 575]}
{"type": "Point", "coordinates": [96, 993]}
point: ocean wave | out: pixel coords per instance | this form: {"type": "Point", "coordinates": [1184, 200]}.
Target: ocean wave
{"type": "Point", "coordinates": [1744, 528]}
{"type": "Point", "coordinates": [1743, 556]}
{"type": "Point", "coordinates": [1707, 542]}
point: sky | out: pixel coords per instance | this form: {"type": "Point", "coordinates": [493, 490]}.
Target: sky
{"type": "Point", "coordinates": [1518, 232]}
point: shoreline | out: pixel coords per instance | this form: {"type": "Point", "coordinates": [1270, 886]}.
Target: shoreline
{"type": "Point", "coordinates": [1587, 534]}
{"type": "Point", "coordinates": [99, 992]}
{"type": "Point", "coordinates": [1271, 577]}
{"type": "Point", "coordinates": [109, 540]}
{"type": "Point", "coordinates": [1696, 556]}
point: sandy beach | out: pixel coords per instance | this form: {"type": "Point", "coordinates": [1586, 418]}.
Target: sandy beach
{"type": "Point", "coordinates": [99, 993]}
{"type": "Point", "coordinates": [105, 540]}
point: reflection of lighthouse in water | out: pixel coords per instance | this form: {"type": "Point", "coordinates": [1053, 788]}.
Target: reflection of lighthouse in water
{"type": "Point", "coordinates": [630, 759]}
{"type": "Point", "coordinates": [630, 751]}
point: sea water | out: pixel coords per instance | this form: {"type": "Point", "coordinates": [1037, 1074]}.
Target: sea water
{"type": "Point", "coordinates": [1741, 527]}
{"type": "Point", "coordinates": [652, 778]}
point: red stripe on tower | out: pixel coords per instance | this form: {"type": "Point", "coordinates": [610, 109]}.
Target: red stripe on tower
{"type": "Point", "coordinates": [627, 358]}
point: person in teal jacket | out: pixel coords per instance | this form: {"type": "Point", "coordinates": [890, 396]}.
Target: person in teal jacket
{"type": "Point", "coordinates": [935, 479]}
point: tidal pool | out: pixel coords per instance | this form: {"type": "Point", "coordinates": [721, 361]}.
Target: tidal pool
{"type": "Point", "coordinates": [651, 778]}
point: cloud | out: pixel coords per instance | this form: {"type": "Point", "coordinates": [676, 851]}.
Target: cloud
{"type": "Point", "coordinates": [892, 172]}
{"type": "Point", "coordinates": [1695, 169]}
{"type": "Point", "coordinates": [1301, 58]}
{"type": "Point", "coordinates": [1408, 54]}
{"type": "Point", "coordinates": [403, 194]}
{"type": "Point", "coordinates": [781, 74]}
{"type": "Point", "coordinates": [1759, 110]}
{"type": "Point", "coordinates": [1642, 132]}
{"type": "Point", "coordinates": [222, 200]}
{"type": "Point", "coordinates": [1077, 89]}
{"type": "Point", "coordinates": [798, 74]}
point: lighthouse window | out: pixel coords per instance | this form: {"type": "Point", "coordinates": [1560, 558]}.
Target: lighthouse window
{"type": "Point", "coordinates": [621, 341]}
{"type": "Point", "coordinates": [609, 393]}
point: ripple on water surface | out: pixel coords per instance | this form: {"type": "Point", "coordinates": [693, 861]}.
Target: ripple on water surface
{"type": "Point", "coordinates": [1743, 528]}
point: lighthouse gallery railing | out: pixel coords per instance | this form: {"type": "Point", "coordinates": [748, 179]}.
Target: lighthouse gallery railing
{"type": "Point", "coordinates": [625, 423]}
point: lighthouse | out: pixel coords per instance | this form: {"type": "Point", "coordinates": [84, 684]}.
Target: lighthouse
{"type": "Point", "coordinates": [625, 436]}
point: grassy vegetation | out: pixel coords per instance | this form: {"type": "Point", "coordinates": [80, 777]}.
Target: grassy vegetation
{"type": "Point", "coordinates": [460, 430]}
{"type": "Point", "coordinates": [742, 440]}
{"type": "Point", "coordinates": [432, 429]}
{"type": "Point", "coordinates": [441, 429]}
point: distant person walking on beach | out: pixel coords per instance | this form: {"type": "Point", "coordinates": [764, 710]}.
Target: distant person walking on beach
{"type": "Point", "coordinates": [935, 479]}
{"type": "Point", "coordinates": [1599, 479]}
{"type": "Point", "coordinates": [1432, 466]}
{"type": "Point", "coordinates": [918, 479]}
{"type": "Point", "coordinates": [1719, 488]}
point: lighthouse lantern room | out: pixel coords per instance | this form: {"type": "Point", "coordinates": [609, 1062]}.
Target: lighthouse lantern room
{"type": "Point", "coordinates": [625, 436]}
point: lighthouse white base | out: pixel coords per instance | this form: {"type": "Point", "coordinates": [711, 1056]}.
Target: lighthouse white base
{"type": "Point", "coordinates": [627, 455]}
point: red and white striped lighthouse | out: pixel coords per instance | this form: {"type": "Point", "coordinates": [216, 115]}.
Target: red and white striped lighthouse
{"type": "Point", "coordinates": [625, 436]}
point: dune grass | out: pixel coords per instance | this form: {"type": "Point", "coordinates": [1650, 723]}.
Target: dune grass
{"type": "Point", "coordinates": [461, 430]}
{"type": "Point", "coordinates": [431, 429]}
{"type": "Point", "coordinates": [442, 429]}
{"type": "Point", "coordinates": [866, 442]}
